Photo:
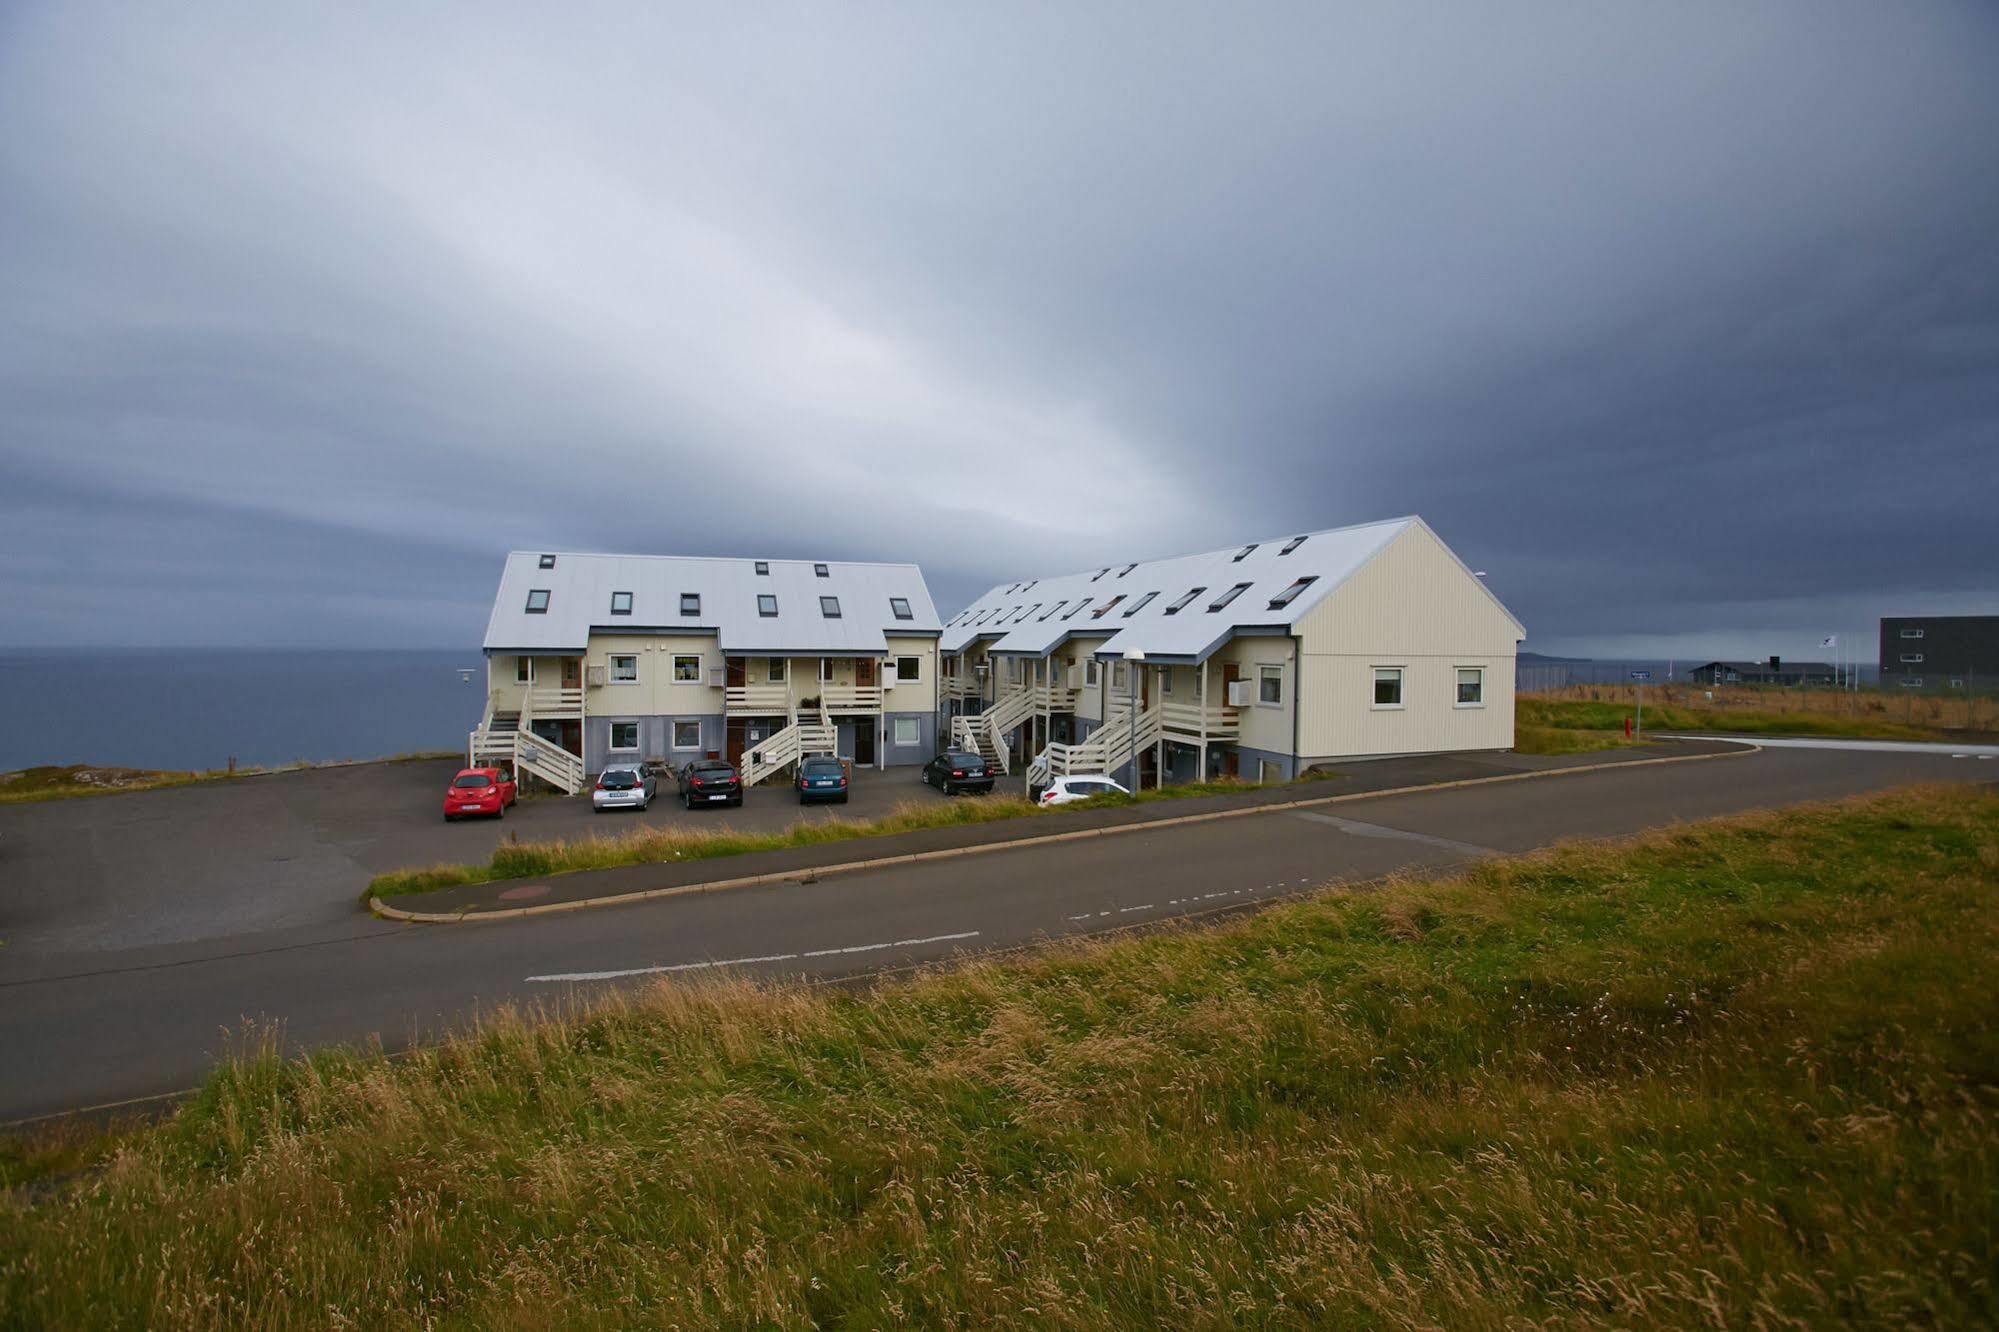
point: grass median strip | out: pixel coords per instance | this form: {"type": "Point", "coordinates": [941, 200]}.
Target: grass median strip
{"type": "Point", "coordinates": [1735, 1073]}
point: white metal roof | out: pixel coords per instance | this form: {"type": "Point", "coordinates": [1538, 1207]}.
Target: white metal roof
{"type": "Point", "coordinates": [580, 586]}
{"type": "Point", "coordinates": [1007, 618]}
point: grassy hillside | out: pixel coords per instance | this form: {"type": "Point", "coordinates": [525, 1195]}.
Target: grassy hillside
{"type": "Point", "coordinates": [1736, 1074]}
{"type": "Point", "coordinates": [1767, 710]}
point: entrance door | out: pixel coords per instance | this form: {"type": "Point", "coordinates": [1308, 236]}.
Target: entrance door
{"type": "Point", "coordinates": [1230, 674]}
{"type": "Point", "coordinates": [864, 742]}
{"type": "Point", "coordinates": [1231, 763]}
{"type": "Point", "coordinates": [572, 672]}
{"type": "Point", "coordinates": [864, 671]}
{"type": "Point", "coordinates": [738, 675]}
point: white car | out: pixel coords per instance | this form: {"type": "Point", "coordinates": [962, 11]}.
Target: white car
{"type": "Point", "coordinates": [1068, 790]}
{"type": "Point", "coordinates": [627, 786]}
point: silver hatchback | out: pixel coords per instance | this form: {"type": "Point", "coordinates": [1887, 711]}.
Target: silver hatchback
{"type": "Point", "coordinates": [628, 786]}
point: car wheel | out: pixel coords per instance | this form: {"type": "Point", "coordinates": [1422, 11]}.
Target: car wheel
{"type": "Point", "coordinates": [449, 819]}
{"type": "Point", "coordinates": [501, 812]}
{"type": "Point", "coordinates": [843, 800]}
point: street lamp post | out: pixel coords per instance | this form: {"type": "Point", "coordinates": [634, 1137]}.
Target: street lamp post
{"type": "Point", "coordinates": [1133, 659]}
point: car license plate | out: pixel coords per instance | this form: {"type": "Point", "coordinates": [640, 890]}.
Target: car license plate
{"type": "Point", "coordinates": [718, 797]}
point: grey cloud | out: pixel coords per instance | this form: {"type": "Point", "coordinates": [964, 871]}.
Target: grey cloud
{"type": "Point", "coordinates": [1683, 320]}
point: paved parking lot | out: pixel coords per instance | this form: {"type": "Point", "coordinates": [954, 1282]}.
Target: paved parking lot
{"type": "Point", "coordinates": [223, 859]}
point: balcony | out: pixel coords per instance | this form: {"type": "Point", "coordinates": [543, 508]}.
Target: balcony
{"type": "Point", "coordinates": [1186, 719]}
{"type": "Point", "coordinates": [551, 704]}
{"type": "Point", "coordinates": [850, 698]}
{"type": "Point", "coordinates": [758, 700]}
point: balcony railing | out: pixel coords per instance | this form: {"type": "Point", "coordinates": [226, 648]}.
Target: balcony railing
{"type": "Point", "coordinates": [850, 698]}
{"type": "Point", "coordinates": [1186, 719]}
{"type": "Point", "coordinates": [549, 704]}
{"type": "Point", "coordinates": [761, 699]}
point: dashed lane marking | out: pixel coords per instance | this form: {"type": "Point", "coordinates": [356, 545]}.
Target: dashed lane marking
{"type": "Point", "coordinates": [1355, 828]}
{"type": "Point", "coordinates": [750, 961]}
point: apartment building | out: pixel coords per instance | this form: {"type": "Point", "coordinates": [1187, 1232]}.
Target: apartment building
{"type": "Point", "coordinates": [593, 659]}
{"type": "Point", "coordinates": [1257, 660]}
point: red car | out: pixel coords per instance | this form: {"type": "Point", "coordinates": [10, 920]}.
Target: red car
{"type": "Point", "coordinates": [480, 791]}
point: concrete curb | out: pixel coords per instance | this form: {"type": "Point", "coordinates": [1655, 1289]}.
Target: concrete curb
{"type": "Point", "coordinates": [387, 912]}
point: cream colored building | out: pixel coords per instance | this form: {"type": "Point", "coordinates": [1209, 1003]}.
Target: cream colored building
{"type": "Point", "coordinates": [1257, 660]}
{"type": "Point", "coordinates": [596, 659]}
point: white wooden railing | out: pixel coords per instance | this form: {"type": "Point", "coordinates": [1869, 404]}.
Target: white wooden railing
{"type": "Point", "coordinates": [1109, 748]}
{"type": "Point", "coordinates": [548, 761]}
{"type": "Point", "coordinates": [553, 704]}
{"type": "Point", "coordinates": [776, 752]}
{"type": "Point", "coordinates": [1221, 723]}
{"type": "Point", "coordinates": [761, 699]}
{"type": "Point", "coordinates": [850, 698]}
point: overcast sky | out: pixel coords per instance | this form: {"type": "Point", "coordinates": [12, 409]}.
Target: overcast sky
{"type": "Point", "coordinates": [1681, 320]}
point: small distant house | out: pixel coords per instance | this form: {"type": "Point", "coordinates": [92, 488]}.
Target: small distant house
{"type": "Point", "coordinates": [1775, 671]}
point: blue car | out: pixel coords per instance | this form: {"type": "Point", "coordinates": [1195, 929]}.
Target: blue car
{"type": "Point", "coordinates": [822, 779]}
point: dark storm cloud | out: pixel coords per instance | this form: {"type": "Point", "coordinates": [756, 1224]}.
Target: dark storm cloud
{"type": "Point", "coordinates": [1682, 321]}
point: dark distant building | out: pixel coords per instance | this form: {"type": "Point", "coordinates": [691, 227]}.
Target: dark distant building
{"type": "Point", "coordinates": [1940, 651]}
{"type": "Point", "coordinates": [1775, 671]}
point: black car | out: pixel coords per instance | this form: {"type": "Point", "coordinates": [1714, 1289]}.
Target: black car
{"type": "Point", "coordinates": [954, 771]}
{"type": "Point", "coordinates": [710, 782]}
{"type": "Point", "coordinates": [822, 778]}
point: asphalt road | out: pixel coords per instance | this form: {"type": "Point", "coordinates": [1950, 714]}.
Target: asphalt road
{"type": "Point", "coordinates": [86, 1028]}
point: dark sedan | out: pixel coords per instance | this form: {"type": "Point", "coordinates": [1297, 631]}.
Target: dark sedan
{"type": "Point", "coordinates": [710, 782]}
{"type": "Point", "coordinates": [954, 771]}
{"type": "Point", "coordinates": [822, 778]}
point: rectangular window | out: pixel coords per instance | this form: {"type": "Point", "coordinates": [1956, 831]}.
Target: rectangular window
{"type": "Point", "coordinates": [822, 571]}
{"type": "Point", "coordinates": [1013, 668]}
{"type": "Point", "coordinates": [1290, 594]}
{"type": "Point", "coordinates": [1028, 612]}
{"type": "Point", "coordinates": [1270, 686]}
{"type": "Point", "coordinates": [1074, 610]}
{"type": "Point", "coordinates": [899, 607]}
{"type": "Point", "coordinates": [1049, 614]}
{"type": "Point", "coordinates": [624, 668]}
{"type": "Point", "coordinates": [690, 603]}
{"type": "Point", "coordinates": [1225, 598]}
{"type": "Point", "coordinates": [1185, 601]}
{"type": "Point", "coordinates": [1471, 686]}
{"type": "Point", "coordinates": [826, 670]}
{"type": "Point", "coordinates": [624, 735]}
{"type": "Point", "coordinates": [1090, 672]}
{"type": "Point", "coordinates": [1269, 771]}
{"type": "Point", "coordinates": [908, 670]}
{"type": "Point", "coordinates": [1107, 607]}
{"type": "Point", "coordinates": [687, 670]}
{"type": "Point", "coordinates": [829, 607]}
{"type": "Point", "coordinates": [687, 735]}
{"type": "Point", "coordinates": [1911, 658]}
{"type": "Point", "coordinates": [1912, 633]}
{"type": "Point", "coordinates": [548, 561]}
{"type": "Point", "coordinates": [774, 670]}
{"type": "Point", "coordinates": [520, 670]}
{"type": "Point", "coordinates": [1100, 573]}
{"type": "Point", "coordinates": [1292, 545]}
{"type": "Point", "coordinates": [1166, 680]}
{"type": "Point", "coordinates": [538, 601]}
{"type": "Point", "coordinates": [1118, 675]}
{"type": "Point", "coordinates": [1912, 682]}
{"type": "Point", "coordinates": [1140, 604]}
{"type": "Point", "coordinates": [766, 604]}
{"type": "Point", "coordinates": [763, 567]}
{"type": "Point", "coordinates": [621, 603]}
{"type": "Point", "coordinates": [1127, 569]}
{"type": "Point", "coordinates": [1388, 686]}
{"type": "Point", "coordinates": [905, 731]}
{"type": "Point", "coordinates": [1243, 554]}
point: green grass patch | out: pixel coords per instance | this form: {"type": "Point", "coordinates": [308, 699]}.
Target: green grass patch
{"type": "Point", "coordinates": [1607, 718]}
{"type": "Point", "coordinates": [652, 846]}
{"type": "Point", "coordinates": [1741, 1073]}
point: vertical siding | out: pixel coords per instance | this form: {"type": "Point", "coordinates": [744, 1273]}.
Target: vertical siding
{"type": "Point", "coordinates": [1414, 607]}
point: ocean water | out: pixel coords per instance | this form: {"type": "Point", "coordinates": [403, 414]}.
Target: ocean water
{"type": "Point", "coordinates": [196, 708]}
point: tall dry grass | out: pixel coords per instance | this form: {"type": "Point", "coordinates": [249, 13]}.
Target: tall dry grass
{"type": "Point", "coordinates": [1926, 711]}
{"type": "Point", "coordinates": [1740, 1074]}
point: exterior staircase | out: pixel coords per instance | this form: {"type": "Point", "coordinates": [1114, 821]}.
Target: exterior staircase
{"type": "Point", "coordinates": [989, 728]}
{"type": "Point", "coordinates": [1109, 747]}
{"type": "Point", "coordinates": [803, 737]}
{"type": "Point", "coordinates": [507, 739]}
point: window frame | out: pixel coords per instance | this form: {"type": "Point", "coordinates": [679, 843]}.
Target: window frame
{"type": "Point", "coordinates": [1221, 603]}
{"type": "Point", "coordinates": [1911, 659]}
{"type": "Point", "coordinates": [915, 676]}
{"type": "Point", "coordinates": [611, 738]}
{"type": "Point", "coordinates": [821, 571]}
{"type": "Point", "coordinates": [1911, 632]}
{"type": "Point", "coordinates": [777, 670]}
{"type": "Point", "coordinates": [1107, 607]}
{"type": "Point", "coordinates": [1269, 673]}
{"type": "Point", "coordinates": [826, 675]}
{"type": "Point", "coordinates": [681, 658]}
{"type": "Point", "coordinates": [764, 598]}
{"type": "Point", "coordinates": [547, 562]}
{"type": "Point", "coordinates": [1077, 609]}
{"type": "Point", "coordinates": [1293, 592]}
{"type": "Point", "coordinates": [625, 609]}
{"type": "Point", "coordinates": [1089, 672]}
{"type": "Point", "coordinates": [1293, 544]}
{"type": "Point", "coordinates": [1140, 604]}
{"type": "Point", "coordinates": [1186, 601]}
{"type": "Point", "coordinates": [915, 726]}
{"type": "Point", "coordinates": [690, 603]}
{"type": "Point", "coordinates": [523, 670]}
{"type": "Point", "coordinates": [611, 661]}
{"type": "Point", "coordinates": [1458, 687]}
{"type": "Point", "coordinates": [899, 608]}
{"type": "Point", "coordinates": [829, 602]}
{"type": "Point", "coordinates": [673, 734]}
{"type": "Point", "coordinates": [546, 595]}
{"type": "Point", "coordinates": [1401, 692]}
{"type": "Point", "coordinates": [763, 568]}
{"type": "Point", "coordinates": [1245, 552]}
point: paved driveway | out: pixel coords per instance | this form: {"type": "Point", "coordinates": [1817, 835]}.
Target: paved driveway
{"type": "Point", "coordinates": [224, 859]}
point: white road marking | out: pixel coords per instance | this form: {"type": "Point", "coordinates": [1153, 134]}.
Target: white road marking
{"type": "Point", "coordinates": [1147, 906]}
{"type": "Point", "coordinates": [1355, 828]}
{"type": "Point", "coordinates": [749, 961]}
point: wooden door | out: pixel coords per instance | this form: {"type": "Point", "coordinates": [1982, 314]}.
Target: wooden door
{"type": "Point", "coordinates": [864, 672]}
{"type": "Point", "coordinates": [1231, 763]}
{"type": "Point", "coordinates": [572, 672]}
{"type": "Point", "coordinates": [733, 741]}
{"type": "Point", "coordinates": [864, 742]}
{"type": "Point", "coordinates": [738, 675]}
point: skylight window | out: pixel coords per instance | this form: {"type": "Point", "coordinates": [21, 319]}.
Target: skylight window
{"type": "Point", "coordinates": [1226, 597]}
{"type": "Point", "coordinates": [763, 567]}
{"type": "Point", "coordinates": [1185, 601]}
{"type": "Point", "coordinates": [1290, 594]}
{"type": "Point", "coordinates": [1049, 614]}
{"type": "Point", "coordinates": [1100, 573]}
{"type": "Point", "coordinates": [766, 604]}
{"type": "Point", "coordinates": [1080, 603]}
{"type": "Point", "coordinates": [1292, 545]}
{"type": "Point", "coordinates": [1107, 607]}
{"type": "Point", "coordinates": [690, 603]}
{"type": "Point", "coordinates": [621, 603]}
{"type": "Point", "coordinates": [1029, 611]}
{"type": "Point", "coordinates": [1140, 604]}
{"type": "Point", "coordinates": [822, 571]}
{"type": "Point", "coordinates": [548, 561]}
{"type": "Point", "coordinates": [538, 601]}
{"type": "Point", "coordinates": [1127, 569]}
{"type": "Point", "coordinates": [1243, 554]}
{"type": "Point", "coordinates": [829, 607]}
{"type": "Point", "coordinates": [1029, 586]}
{"type": "Point", "coordinates": [899, 607]}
